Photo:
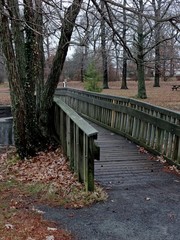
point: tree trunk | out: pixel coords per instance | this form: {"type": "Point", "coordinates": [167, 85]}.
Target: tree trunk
{"type": "Point", "coordinates": [157, 67]}
{"type": "Point", "coordinates": [103, 49]}
{"type": "Point", "coordinates": [39, 57]}
{"type": "Point", "coordinates": [157, 47]}
{"type": "Point", "coordinates": [124, 73]}
{"type": "Point", "coordinates": [140, 57]}
{"type": "Point", "coordinates": [141, 80]}
{"type": "Point", "coordinates": [57, 66]}
{"type": "Point", "coordinates": [82, 65]}
{"type": "Point", "coordinates": [171, 68]}
{"type": "Point", "coordinates": [24, 55]}
{"type": "Point", "coordinates": [124, 69]}
{"type": "Point", "coordinates": [15, 62]}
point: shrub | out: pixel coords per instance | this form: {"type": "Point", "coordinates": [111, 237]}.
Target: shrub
{"type": "Point", "coordinates": [92, 79]}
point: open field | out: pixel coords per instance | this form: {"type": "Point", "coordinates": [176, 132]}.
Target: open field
{"type": "Point", "coordinates": [161, 96]}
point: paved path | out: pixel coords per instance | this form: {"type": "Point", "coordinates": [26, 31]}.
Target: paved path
{"type": "Point", "coordinates": [143, 204]}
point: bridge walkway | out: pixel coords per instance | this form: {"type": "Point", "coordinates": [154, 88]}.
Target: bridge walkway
{"type": "Point", "coordinates": [143, 200]}
{"type": "Point", "coordinates": [123, 163]}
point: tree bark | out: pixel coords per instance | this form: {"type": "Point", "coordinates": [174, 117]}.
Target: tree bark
{"type": "Point", "coordinates": [140, 56]}
{"type": "Point", "coordinates": [22, 46]}
{"type": "Point", "coordinates": [39, 57]}
{"type": "Point", "coordinates": [124, 69]}
{"type": "Point", "coordinates": [58, 63]}
{"type": "Point", "coordinates": [103, 49]}
{"type": "Point", "coordinates": [157, 65]}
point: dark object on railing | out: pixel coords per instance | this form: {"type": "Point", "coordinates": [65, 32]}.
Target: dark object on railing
{"type": "Point", "coordinates": [175, 87]}
{"type": "Point", "coordinates": [6, 131]}
{"type": "Point", "coordinates": [154, 128]}
{"type": "Point", "coordinates": [6, 126]}
{"type": "Point", "coordinates": [77, 139]}
{"type": "Point", "coordinates": [5, 111]}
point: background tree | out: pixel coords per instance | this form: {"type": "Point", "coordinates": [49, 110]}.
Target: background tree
{"type": "Point", "coordinates": [3, 77]}
{"type": "Point", "coordinates": [124, 67]}
{"type": "Point", "coordinates": [157, 8]}
{"type": "Point", "coordinates": [142, 24]}
{"type": "Point", "coordinates": [103, 48]}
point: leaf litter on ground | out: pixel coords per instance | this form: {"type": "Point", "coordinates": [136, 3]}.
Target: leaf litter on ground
{"type": "Point", "coordinates": [45, 178]}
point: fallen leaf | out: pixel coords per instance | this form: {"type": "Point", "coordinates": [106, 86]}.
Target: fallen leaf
{"type": "Point", "coordinates": [142, 150]}
{"type": "Point", "coordinates": [37, 210]}
{"type": "Point", "coordinates": [51, 229]}
{"type": "Point", "coordinates": [50, 237]}
{"type": "Point", "coordinates": [1, 178]}
{"type": "Point", "coordinates": [161, 159]}
{"type": "Point", "coordinates": [9, 226]}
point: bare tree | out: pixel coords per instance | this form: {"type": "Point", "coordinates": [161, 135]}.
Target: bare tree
{"type": "Point", "coordinates": [103, 48]}
{"type": "Point", "coordinates": [2, 68]}
{"type": "Point", "coordinates": [143, 25]}
{"type": "Point", "coordinates": [124, 68]}
{"type": "Point", "coordinates": [157, 9]}
{"type": "Point", "coordinates": [21, 28]}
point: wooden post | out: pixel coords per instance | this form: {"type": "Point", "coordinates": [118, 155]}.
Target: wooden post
{"type": "Point", "coordinates": [68, 137]}
{"type": "Point", "coordinates": [91, 165]}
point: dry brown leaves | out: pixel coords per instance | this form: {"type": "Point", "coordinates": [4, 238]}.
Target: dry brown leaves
{"type": "Point", "coordinates": [45, 179]}
{"type": "Point", "coordinates": [166, 167]}
{"type": "Point", "coordinates": [49, 167]}
{"type": "Point", "coordinates": [48, 174]}
{"type": "Point", "coordinates": [18, 217]}
{"type": "Point", "coordinates": [25, 225]}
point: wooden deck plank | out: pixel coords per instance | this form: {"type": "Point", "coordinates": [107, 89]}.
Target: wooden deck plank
{"type": "Point", "coordinates": [121, 163]}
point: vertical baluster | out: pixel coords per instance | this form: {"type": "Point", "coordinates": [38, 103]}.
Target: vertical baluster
{"type": "Point", "coordinates": [76, 150]}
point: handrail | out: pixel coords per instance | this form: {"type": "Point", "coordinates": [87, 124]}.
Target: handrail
{"type": "Point", "coordinates": [155, 128]}
{"type": "Point", "coordinates": [77, 139]}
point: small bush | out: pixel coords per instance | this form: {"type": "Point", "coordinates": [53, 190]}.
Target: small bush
{"type": "Point", "coordinates": [92, 79]}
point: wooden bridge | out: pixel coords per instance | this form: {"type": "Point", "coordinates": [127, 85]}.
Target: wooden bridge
{"type": "Point", "coordinates": [124, 121]}
{"type": "Point", "coordinates": [123, 163]}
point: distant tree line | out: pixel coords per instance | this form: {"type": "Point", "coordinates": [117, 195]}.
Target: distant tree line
{"type": "Point", "coordinates": [128, 39]}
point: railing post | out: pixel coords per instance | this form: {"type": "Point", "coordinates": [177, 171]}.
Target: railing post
{"type": "Point", "coordinates": [85, 160]}
{"type": "Point", "coordinates": [76, 151]}
{"type": "Point", "coordinates": [176, 152]}
{"type": "Point", "coordinates": [68, 138]}
{"type": "Point", "coordinates": [91, 164]}
{"type": "Point", "coordinates": [113, 116]}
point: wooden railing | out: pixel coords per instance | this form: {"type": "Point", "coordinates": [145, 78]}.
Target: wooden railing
{"type": "Point", "coordinates": [77, 139]}
{"type": "Point", "coordinates": [155, 128]}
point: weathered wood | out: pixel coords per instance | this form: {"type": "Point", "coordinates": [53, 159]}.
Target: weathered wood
{"type": "Point", "coordinates": [155, 128]}
{"type": "Point", "coordinates": [77, 139]}
{"type": "Point", "coordinates": [5, 111]}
